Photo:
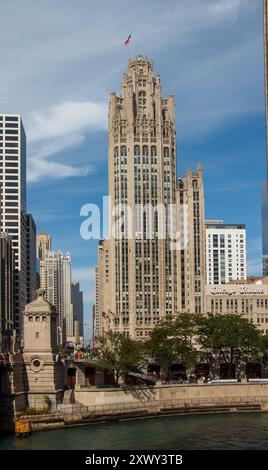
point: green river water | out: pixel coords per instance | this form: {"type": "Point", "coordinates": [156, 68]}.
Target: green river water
{"type": "Point", "coordinates": [218, 431]}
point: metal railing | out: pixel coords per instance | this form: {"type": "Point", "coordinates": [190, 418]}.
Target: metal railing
{"type": "Point", "coordinates": [155, 405]}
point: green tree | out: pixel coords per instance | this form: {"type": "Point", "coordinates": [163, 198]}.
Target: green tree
{"type": "Point", "coordinates": [229, 338]}
{"type": "Point", "coordinates": [264, 349]}
{"type": "Point", "coordinates": [173, 341]}
{"type": "Point", "coordinates": [118, 354]}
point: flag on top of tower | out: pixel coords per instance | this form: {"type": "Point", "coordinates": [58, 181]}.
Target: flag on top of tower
{"type": "Point", "coordinates": [127, 41]}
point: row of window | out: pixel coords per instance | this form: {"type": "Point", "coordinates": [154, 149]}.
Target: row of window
{"type": "Point", "coordinates": [138, 149]}
{"type": "Point", "coordinates": [9, 118]}
{"type": "Point", "coordinates": [37, 318]}
{"type": "Point", "coordinates": [9, 131]}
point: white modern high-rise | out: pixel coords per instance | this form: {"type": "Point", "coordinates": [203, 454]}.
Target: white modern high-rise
{"type": "Point", "coordinates": [226, 251]}
{"type": "Point", "coordinates": [67, 295]}
{"type": "Point", "coordinates": [13, 201]}
{"type": "Point", "coordinates": [55, 278]}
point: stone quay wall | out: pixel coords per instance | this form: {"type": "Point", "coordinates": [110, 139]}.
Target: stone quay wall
{"type": "Point", "coordinates": [172, 396]}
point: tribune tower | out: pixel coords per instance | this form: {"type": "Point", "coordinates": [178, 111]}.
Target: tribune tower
{"type": "Point", "coordinates": [142, 171]}
{"type": "Point", "coordinates": [137, 278]}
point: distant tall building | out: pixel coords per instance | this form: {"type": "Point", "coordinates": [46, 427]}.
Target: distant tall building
{"type": "Point", "coordinates": [6, 292]}
{"type": "Point", "coordinates": [67, 295]}
{"type": "Point", "coordinates": [31, 258]}
{"type": "Point", "coordinates": [226, 252]}
{"type": "Point", "coordinates": [103, 316]}
{"type": "Point", "coordinates": [55, 278]}
{"type": "Point", "coordinates": [43, 244]}
{"type": "Point", "coordinates": [93, 336]}
{"type": "Point", "coordinates": [13, 202]}
{"type": "Point", "coordinates": [138, 273]}
{"type": "Point", "coordinates": [78, 306]}
{"type": "Point", "coordinates": [265, 185]}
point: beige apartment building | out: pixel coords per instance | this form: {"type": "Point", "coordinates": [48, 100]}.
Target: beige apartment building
{"type": "Point", "coordinates": [247, 298]}
{"type": "Point", "coordinates": [143, 274]}
{"type": "Point", "coordinates": [55, 279]}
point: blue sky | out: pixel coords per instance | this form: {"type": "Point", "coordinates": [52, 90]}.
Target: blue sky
{"type": "Point", "coordinates": [61, 58]}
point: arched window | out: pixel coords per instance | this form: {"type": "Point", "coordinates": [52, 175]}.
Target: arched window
{"type": "Point", "coordinates": [195, 184]}
{"type": "Point", "coordinates": [142, 100]}
{"type": "Point", "coordinates": [153, 151]}
{"type": "Point", "coordinates": [123, 151]}
{"type": "Point", "coordinates": [136, 150]}
{"type": "Point", "coordinates": [145, 150]}
{"type": "Point", "coordinates": [116, 152]}
{"type": "Point", "coordinates": [166, 152]}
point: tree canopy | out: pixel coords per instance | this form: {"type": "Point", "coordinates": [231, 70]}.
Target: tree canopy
{"type": "Point", "coordinates": [118, 354]}
{"type": "Point", "coordinates": [173, 341]}
{"type": "Point", "coordinates": [230, 337]}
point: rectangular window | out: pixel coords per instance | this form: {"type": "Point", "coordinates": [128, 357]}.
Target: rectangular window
{"type": "Point", "coordinates": [11, 144]}
{"type": "Point", "coordinates": [11, 131]}
{"type": "Point", "coordinates": [11, 118]}
{"type": "Point", "coordinates": [12, 151]}
{"type": "Point", "coordinates": [11, 137]}
{"type": "Point", "coordinates": [11, 177]}
{"type": "Point", "coordinates": [11, 124]}
{"type": "Point", "coordinates": [12, 157]}
{"type": "Point", "coordinates": [11, 190]}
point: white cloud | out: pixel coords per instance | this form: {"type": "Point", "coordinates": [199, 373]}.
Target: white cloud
{"type": "Point", "coordinates": [65, 119]}
{"type": "Point", "coordinates": [72, 55]}
{"type": "Point", "coordinates": [57, 129]}
{"type": "Point", "coordinates": [225, 9]}
{"type": "Point", "coordinates": [41, 169]}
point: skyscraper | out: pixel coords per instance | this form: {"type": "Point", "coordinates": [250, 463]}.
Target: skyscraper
{"type": "Point", "coordinates": [226, 252]}
{"type": "Point", "coordinates": [31, 258]}
{"type": "Point", "coordinates": [103, 315]}
{"type": "Point", "coordinates": [191, 257]}
{"type": "Point", "coordinates": [55, 278]}
{"type": "Point", "coordinates": [6, 292]}
{"type": "Point", "coordinates": [13, 201]}
{"type": "Point", "coordinates": [137, 275]}
{"type": "Point", "coordinates": [142, 171]}
{"type": "Point", "coordinates": [78, 306]}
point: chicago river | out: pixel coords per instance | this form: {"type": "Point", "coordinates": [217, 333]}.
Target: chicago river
{"type": "Point", "coordinates": [218, 431]}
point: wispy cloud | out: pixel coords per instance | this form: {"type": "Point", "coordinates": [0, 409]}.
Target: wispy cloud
{"type": "Point", "coordinates": [57, 129]}
{"type": "Point", "coordinates": [66, 119]}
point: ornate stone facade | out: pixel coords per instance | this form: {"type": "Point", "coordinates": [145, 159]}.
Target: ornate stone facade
{"type": "Point", "coordinates": [138, 275]}
{"type": "Point", "coordinates": [44, 368]}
